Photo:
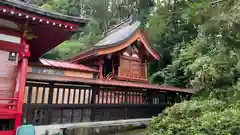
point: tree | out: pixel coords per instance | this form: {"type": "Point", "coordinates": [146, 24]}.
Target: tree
{"type": "Point", "coordinates": [103, 14]}
{"type": "Point", "coordinates": [209, 63]}
{"type": "Point", "coordinates": [196, 62]}
{"type": "Point", "coordinates": [167, 28]}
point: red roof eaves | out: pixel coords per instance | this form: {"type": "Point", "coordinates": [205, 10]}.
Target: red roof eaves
{"type": "Point", "coordinates": [66, 65]}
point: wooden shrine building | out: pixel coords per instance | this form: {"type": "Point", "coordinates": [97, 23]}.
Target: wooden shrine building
{"type": "Point", "coordinates": [106, 82]}
{"type": "Point", "coordinates": [122, 55]}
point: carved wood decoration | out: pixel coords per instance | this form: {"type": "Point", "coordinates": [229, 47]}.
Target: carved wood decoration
{"type": "Point", "coordinates": [135, 52]}
{"type": "Point", "coordinates": [137, 36]}
{"type": "Point", "coordinates": [131, 51]}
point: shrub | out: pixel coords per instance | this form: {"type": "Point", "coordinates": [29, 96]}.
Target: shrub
{"type": "Point", "coordinates": [206, 117]}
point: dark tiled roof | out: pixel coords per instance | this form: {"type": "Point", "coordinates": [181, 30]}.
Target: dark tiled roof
{"type": "Point", "coordinates": [66, 65]}
{"type": "Point", "coordinates": [35, 9]}
{"type": "Point", "coordinates": [118, 35]}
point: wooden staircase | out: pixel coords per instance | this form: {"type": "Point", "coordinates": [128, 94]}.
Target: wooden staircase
{"type": "Point", "coordinates": [109, 76]}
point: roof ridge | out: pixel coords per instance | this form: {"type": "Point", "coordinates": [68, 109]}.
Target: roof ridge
{"type": "Point", "coordinates": [27, 1]}
{"type": "Point", "coordinates": [119, 34]}
{"type": "Point", "coordinates": [124, 22]}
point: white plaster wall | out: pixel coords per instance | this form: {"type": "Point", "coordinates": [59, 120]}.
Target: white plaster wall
{"type": "Point", "coordinates": [9, 38]}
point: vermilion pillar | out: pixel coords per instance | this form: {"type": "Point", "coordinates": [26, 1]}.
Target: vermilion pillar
{"type": "Point", "coordinates": [22, 83]}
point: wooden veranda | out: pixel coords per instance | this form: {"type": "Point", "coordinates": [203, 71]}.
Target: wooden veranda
{"type": "Point", "coordinates": [56, 100]}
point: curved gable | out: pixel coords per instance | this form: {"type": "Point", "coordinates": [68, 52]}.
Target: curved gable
{"type": "Point", "coordinates": [137, 35]}
{"type": "Point", "coordinates": [118, 39]}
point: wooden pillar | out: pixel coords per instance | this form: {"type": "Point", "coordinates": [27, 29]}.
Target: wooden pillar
{"type": "Point", "coordinates": [100, 68]}
{"type": "Point", "coordinates": [113, 71]}
{"type": "Point", "coordinates": [48, 112]}
{"type": "Point", "coordinates": [22, 83]}
{"type": "Point", "coordinates": [145, 66]}
{"type": "Point", "coordinates": [29, 113]}
{"type": "Point", "coordinates": [178, 98]}
{"type": "Point", "coordinates": [150, 96]}
{"type": "Point", "coordinates": [166, 99]}
{"type": "Point", "coordinates": [173, 98]}
{"type": "Point", "coordinates": [50, 96]}
{"type": "Point", "coordinates": [126, 102]}
{"type": "Point", "coordinates": [95, 90]}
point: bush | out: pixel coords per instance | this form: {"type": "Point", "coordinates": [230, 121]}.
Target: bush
{"type": "Point", "coordinates": [206, 117]}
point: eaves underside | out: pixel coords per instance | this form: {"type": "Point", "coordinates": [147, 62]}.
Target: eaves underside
{"type": "Point", "coordinates": [34, 9]}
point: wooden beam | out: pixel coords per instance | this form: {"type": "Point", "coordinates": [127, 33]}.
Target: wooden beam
{"type": "Point", "coordinates": [113, 72]}
{"type": "Point", "coordinates": [11, 47]}
{"type": "Point", "coordinates": [146, 69]}
{"type": "Point", "coordinates": [104, 83]}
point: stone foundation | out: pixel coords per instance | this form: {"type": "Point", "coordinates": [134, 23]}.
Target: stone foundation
{"type": "Point", "coordinates": [92, 128]}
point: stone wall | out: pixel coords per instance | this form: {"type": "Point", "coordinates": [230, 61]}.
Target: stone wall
{"type": "Point", "coordinates": [92, 128]}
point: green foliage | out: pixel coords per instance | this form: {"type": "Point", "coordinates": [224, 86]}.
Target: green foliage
{"type": "Point", "coordinates": [168, 27]}
{"type": "Point", "coordinates": [208, 117]}
{"type": "Point", "coordinates": [66, 50]}
{"type": "Point", "coordinates": [49, 5]}
{"type": "Point", "coordinates": [207, 62]}
{"type": "Point", "coordinates": [219, 114]}
{"type": "Point", "coordinates": [208, 59]}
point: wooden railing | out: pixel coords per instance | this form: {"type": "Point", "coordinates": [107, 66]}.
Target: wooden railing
{"type": "Point", "coordinates": [52, 103]}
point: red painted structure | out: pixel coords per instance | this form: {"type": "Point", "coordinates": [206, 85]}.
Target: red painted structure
{"type": "Point", "coordinates": [66, 65]}
{"type": "Point", "coordinates": [40, 24]}
{"type": "Point", "coordinates": [13, 109]}
{"type": "Point", "coordinates": [29, 23]}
